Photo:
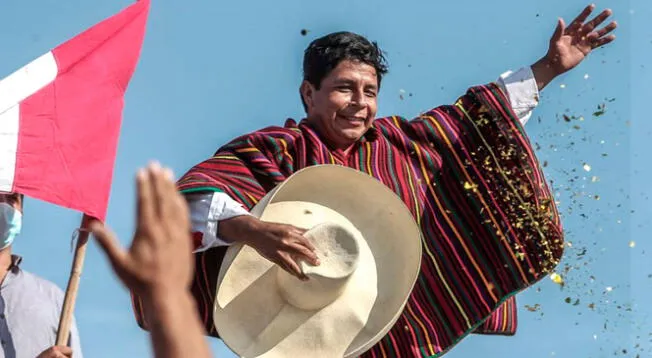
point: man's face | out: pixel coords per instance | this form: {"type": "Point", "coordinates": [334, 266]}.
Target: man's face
{"type": "Point", "coordinates": [344, 107]}
{"type": "Point", "coordinates": [14, 200]}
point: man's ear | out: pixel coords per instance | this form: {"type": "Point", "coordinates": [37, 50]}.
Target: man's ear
{"type": "Point", "coordinates": [307, 94]}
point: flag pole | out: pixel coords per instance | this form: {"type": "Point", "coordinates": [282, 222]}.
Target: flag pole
{"type": "Point", "coordinates": [63, 333]}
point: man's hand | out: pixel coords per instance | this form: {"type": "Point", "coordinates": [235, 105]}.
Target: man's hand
{"type": "Point", "coordinates": [159, 265]}
{"type": "Point", "coordinates": [282, 244]}
{"type": "Point", "coordinates": [159, 261]}
{"type": "Point", "coordinates": [56, 352]}
{"type": "Point", "coordinates": [570, 45]}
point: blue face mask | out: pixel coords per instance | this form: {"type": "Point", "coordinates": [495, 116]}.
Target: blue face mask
{"type": "Point", "coordinates": [11, 221]}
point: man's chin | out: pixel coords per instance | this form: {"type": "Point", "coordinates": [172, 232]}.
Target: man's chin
{"type": "Point", "coordinates": [352, 137]}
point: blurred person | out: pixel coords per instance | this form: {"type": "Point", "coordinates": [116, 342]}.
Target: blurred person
{"type": "Point", "coordinates": [159, 265]}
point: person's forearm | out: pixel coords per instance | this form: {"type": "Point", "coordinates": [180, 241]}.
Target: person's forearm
{"type": "Point", "coordinates": [237, 229]}
{"type": "Point", "coordinates": [175, 328]}
{"type": "Point", "coordinates": [544, 72]}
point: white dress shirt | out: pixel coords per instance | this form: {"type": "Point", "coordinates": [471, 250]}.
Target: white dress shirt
{"type": "Point", "coordinates": [208, 209]}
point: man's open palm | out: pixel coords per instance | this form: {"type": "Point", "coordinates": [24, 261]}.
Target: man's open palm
{"type": "Point", "coordinates": [570, 45]}
{"type": "Point", "coordinates": [160, 257]}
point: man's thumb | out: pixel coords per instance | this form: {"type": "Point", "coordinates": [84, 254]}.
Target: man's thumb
{"type": "Point", "coordinates": [559, 31]}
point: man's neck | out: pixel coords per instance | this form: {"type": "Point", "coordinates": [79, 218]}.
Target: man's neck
{"type": "Point", "coordinates": [5, 262]}
{"type": "Point", "coordinates": [332, 145]}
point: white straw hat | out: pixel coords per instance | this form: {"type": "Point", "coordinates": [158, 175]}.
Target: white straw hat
{"type": "Point", "coordinates": [370, 251]}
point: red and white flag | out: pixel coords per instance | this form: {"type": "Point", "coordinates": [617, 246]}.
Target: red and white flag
{"type": "Point", "coordinates": [60, 115]}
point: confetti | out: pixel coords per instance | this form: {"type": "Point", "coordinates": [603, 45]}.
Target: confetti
{"type": "Point", "coordinates": [534, 308]}
{"type": "Point", "coordinates": [304, 32]}
{"type": "Point", "coordinates": [562, 86]}
{"type": "Point", "coordinates": [609, 289]}
{"type": "Point", "coordinates": [556, 278]}
{"type": "Point", "coordinates": [632, 244]}
{"type": "Point", "coordinates": [586, 76]}
{"type": "Point", "coordinates": [595, 179]}
{"type": "Point", "coordinates": [470, 186]}
{"type": "Point", "coordinates": [601, 110]}
{"type": "Point", "coordinates": [587, 167]}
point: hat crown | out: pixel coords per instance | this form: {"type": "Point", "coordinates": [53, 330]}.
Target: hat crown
{"type": "Point", "coordinates": [337, 247]}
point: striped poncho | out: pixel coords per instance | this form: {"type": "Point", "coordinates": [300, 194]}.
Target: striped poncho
{"type": "Point", "coordinates": [471, 180]}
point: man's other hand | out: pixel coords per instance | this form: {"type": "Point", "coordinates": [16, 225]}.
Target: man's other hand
{"type": "Point", "coordinates": [569, 46]}
{"type": "Point", "coordinates": [281, 244]}
{"type": "Point", "coordinates": [56, 352]}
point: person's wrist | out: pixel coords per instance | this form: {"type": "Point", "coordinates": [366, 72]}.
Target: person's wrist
{"type": "Point", "coordinates": [166, 300]}
{"type": "Point", "coordinates": [552, 65]}
{"type": "Point", "coordinates": [545, 71]}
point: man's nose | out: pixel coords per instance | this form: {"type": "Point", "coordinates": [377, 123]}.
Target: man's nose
{"type": "Point", "coordinates": [359, 99]}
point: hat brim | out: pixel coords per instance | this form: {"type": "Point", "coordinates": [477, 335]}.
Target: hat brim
{"type": "Point", "coordinates": [254, 321]}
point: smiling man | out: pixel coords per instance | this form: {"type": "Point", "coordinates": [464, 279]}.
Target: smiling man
{"type": "Point", "coordinates": [466, 172]}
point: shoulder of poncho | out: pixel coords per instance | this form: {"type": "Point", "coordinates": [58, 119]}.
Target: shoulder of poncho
{"type": "Point", "coordinates": [266, 135]}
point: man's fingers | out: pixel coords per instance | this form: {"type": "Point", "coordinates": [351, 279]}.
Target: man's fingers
{"type": "Point", "coordinates": [161, 201]}
{"type": "Point", "coordinates": [57, 352]}
{"type": "Point", "coordinates": [108, 243]}
{"type": "Point", "coordinates": [603, 41]}
{"type": "Point", "coordinates": [595, 22]}
{"type": "Point", "coordinates": [298, 236]}
{"type": "Point", "coordinates": [166, 195]}
{"type": "Point", "coordinates": [64, 350]}
{"type": "Point", "coordinates": [145, 198]}
{"type": "Point", "coordinates": [577, 23]}
{"type": "Point", "coordinates": [301, 250]}
{"type": "Point", "coordinates": [292, 267]}
{"type": "Point", "coordinates": [179, 211]}
{"type": "Point", "coordinates": [607, 29]}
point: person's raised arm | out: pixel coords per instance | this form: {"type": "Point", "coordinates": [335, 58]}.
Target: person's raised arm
{"type": "Point", "coordinates": [159, 265]}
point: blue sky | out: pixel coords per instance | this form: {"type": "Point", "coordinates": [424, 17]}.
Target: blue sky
{"type": "Point", "coordinates": [212, 70]}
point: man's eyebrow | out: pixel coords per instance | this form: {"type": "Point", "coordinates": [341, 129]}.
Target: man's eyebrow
{"type": "Point", "coordinates": [346, 81]}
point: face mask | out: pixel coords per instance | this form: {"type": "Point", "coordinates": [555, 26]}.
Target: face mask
{"type": "Point", "coordinates": [11, 221]}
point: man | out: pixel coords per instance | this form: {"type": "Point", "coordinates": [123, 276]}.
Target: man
{"type": "Point", "coordinates": [466, 172]}
{"type": "Point", "coordinates": [30, 306]}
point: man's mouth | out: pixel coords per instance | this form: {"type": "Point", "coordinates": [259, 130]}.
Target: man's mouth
{"type": "Point", "coordinates": [353, 119]}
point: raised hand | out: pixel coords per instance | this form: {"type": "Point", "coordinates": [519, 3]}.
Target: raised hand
{"type": "Point", "coordinates": [569, 46]}
{"type": "Point", "coordinates": [159, 265]}
{"type": "Point", "coordinates": [159, 260]}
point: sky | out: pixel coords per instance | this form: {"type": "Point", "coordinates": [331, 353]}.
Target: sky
{"type": "Point", "coordinates": [211, 70]}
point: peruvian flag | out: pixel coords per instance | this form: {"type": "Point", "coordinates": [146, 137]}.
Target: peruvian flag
{"type": "Point", "coordinates": [60, 115]}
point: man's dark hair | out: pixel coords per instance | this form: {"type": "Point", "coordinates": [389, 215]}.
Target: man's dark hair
{"type": "Point", "coordinates": [325, 53]}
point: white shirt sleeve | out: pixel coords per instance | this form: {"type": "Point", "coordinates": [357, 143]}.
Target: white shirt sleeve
{"type": "Point", "coordinates": [206, 211]}
{"type": "Point", "coordinates": [521, 89]}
